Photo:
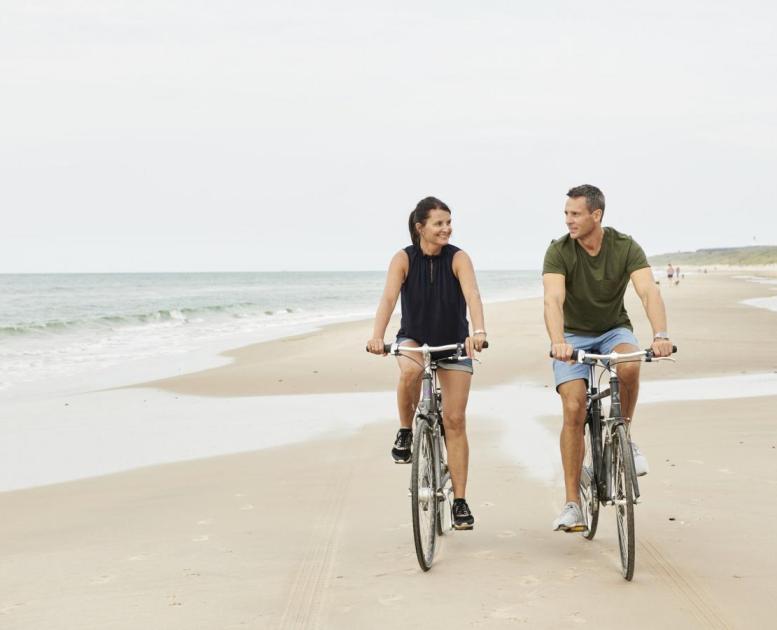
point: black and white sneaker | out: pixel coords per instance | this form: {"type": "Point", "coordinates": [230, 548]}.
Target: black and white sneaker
{"type": "Point", "coordinates": [462, 517]}
{"type": "Point", "coordinates": [401, 450]}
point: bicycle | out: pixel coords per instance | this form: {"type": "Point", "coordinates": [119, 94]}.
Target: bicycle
{"type": "Point", "coordinates": [431, 491]}
{"type": "Point", "coordinates": [608, 476]}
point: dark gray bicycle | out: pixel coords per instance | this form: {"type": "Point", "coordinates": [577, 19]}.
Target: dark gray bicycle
{"type": "Point", "coordinates": [608, 476]}
{"type": "Point", "coordinates": [431, 492]}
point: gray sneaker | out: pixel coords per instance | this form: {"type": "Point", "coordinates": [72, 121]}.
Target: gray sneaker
{"type": "Point", "coordinates": [640, 461]}
{"type": "Point", "coordinates": [570, 519]}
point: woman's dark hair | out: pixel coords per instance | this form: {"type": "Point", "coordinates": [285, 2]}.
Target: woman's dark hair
{"type": "Point", "coordinates": [421, 214]}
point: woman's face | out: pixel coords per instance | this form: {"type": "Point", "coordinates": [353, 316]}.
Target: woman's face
{"type": "Point", "coordinates": [437, 230]}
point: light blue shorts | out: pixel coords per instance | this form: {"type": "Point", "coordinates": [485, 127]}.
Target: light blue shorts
{"type": "Point", "coordinates": [603, 344]}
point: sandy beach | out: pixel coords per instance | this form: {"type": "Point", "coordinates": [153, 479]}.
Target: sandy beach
{"type": "Point", "coordinates": [280, 507]}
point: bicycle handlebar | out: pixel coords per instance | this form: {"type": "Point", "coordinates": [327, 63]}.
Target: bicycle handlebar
{"type": "Point", "coordinates": [388, 347]}
{"type": "Point", "coordinates": [580, 356]}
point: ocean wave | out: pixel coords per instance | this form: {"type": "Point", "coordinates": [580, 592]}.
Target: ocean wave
{"type": "Point", "coordinates": [179, 316]}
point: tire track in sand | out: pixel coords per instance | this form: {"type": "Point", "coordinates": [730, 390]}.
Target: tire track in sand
{"type": "Point", "coordinates": [305, 597]}
{"type": "Point", "coordinates": [682, 585]}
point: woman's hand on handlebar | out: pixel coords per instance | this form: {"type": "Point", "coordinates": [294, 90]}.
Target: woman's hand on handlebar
{"type": "Point", "coordinates": [475, 342]}
{"type": "Point", "coordinates": [376, 346]}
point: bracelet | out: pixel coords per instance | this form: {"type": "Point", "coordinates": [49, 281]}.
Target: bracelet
{"type": "Point", "coordinates": [480, 332]}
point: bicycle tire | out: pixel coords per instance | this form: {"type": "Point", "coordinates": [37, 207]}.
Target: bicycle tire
{"type": "Point", "coordinates": [623, 493]}
{"type": "Point", "coordinates": [423, 495]}
{"type": "Point", "coordinates": [589, 493]}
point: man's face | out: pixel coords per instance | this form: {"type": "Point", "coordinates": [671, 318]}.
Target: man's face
{"type": "Point", "coordinates": [580, 222]}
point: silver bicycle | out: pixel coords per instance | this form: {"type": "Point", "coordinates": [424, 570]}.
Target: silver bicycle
{"type": "Point", "coordinates": [431, 492]}
{"type": "Point", "coordinates": [608, 476]}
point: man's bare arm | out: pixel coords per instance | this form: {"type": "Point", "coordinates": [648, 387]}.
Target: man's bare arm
{"type": "Point", "coordinates": [648, 292]}
{"type": "Point", "coordinates": [555, 293]}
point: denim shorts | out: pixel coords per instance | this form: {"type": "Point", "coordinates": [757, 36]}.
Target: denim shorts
{"type": "Point", "coordinates": [464, 365]}
{"type": "Point", "coordinates": [603, 344]}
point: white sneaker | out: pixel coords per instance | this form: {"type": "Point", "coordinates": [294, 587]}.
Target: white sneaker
{"type": "Point", "coordinates": [570, 519]}
{"type": "Point", "coordinates": [640, 461]}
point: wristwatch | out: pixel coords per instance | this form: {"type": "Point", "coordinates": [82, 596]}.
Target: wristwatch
{"type": "Point", "coordinates": [661, 335]}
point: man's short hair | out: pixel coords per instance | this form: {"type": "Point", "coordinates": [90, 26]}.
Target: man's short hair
{"type": "Point", "coordinates": [594, 198]}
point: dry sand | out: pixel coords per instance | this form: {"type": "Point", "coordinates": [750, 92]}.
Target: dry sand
{"type": "Point", "coordinates": [318, 534]}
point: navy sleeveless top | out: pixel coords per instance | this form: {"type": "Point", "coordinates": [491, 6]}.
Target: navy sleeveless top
{"type": "Point", "coordinates": [433, 307]}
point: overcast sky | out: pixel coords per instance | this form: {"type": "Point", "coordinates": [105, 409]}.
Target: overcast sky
{"type": "Point", "coordinates": [186, 135]}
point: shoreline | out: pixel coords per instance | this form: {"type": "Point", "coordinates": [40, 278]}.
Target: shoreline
{"type": "Point", "coordinates": [221, 410]}
{"type": "Point", "coordinates": [317, 533]}
{"type": "Point", "coordinates": [518, 346]}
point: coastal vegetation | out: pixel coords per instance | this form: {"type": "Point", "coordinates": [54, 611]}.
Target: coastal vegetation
{"type": "Point", "coordinates": [753, 255]}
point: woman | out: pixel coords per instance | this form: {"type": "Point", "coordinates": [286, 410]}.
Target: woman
{"type": "Point", "coordinates": [437, 283]}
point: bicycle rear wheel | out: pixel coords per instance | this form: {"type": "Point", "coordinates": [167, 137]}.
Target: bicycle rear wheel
{"type": "Point", "coordinates": [589, 494]}
{"type": "Point", "coordinates": [423, 494]}
{"type": "Point", "coordinates": [623, 473]}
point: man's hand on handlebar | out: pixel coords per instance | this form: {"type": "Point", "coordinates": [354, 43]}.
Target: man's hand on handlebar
{"type": "Point", "coordinates": [376, 346]}
{"type": "Point", "coordinates": [661, 347]}
{"type": "Point", "coordinates": [561, 351]}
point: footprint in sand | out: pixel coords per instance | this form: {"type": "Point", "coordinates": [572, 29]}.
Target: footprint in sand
{"type": "Point", "coordinates": [528, 580]}
{"type": "Point", "coordinates": [390, 600]}
{"type": "Point", "coordinates": [246, 507]}
{"type": "Point", "coordinates": [205, 521]}
{"type": "Point", "coordinates": [102, 579]}
{"type": "Point", "coordinates": [506, 534]}
{"type": "Point", "coordinates": [137, 557]}
{"type": "Point", "coordinates": [202, 538]}
{"type": "Point", "coordinates": [6, 608]}
{"type": "Point", "coordinates": [484, 554]}
{"type": "Point", "coordinates": [577, 618]}
{"type": "Point", "coordinates": [571, 574]}
{"type": "Point", "coordinates": [510, 613]}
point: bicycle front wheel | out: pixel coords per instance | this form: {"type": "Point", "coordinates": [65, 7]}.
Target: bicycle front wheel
{"type": "Point", "coordinates": [424, 495]}
{"type": "Point", "coordinates": [445, 498]}
{"type": "Point", "coordinates": [589, 494]}
{"type": "Point", "coordinates": [623, 473]}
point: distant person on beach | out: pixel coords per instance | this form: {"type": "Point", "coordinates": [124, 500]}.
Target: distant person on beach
{"type": "Point", "coordinates": [670, 273]}
{"type": "Point", "coordinates": [677, 275]}
{"type": "Point", "coordinates": [585, 274]}
{"type": "Point", "coordinates": [437, 283]}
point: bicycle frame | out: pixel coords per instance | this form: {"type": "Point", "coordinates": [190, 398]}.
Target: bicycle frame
{"type": "Point", "coordinates": [429, 409]}
{"type": "Point", "coordinates": [601, 452]}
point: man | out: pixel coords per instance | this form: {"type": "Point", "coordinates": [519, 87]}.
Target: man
{"type": "Point", "coordinates": [585, 275]}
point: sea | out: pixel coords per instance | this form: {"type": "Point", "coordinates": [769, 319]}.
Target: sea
{"type": "Point", "coordinates": [62, 332]}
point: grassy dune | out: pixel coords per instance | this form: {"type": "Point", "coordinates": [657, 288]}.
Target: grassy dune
{"type": "Point", "coordinates": [755, 255]}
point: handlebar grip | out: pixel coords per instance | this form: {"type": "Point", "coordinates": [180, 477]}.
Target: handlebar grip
{"type": "Point", "coordinates": [572, 358]}
{"type": "Point", "coordinates": [485, 345]}
{"type": "Point", "coordinates": [386, 348]}
{"type": "Point", "coordinates": [674, 349]}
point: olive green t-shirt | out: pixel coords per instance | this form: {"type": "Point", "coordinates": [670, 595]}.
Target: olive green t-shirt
{"type": "Point", "coordinates": [595, 285]}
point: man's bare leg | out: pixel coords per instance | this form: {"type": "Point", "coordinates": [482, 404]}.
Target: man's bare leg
{"type": "Point", "coordinates": [572, 443]}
